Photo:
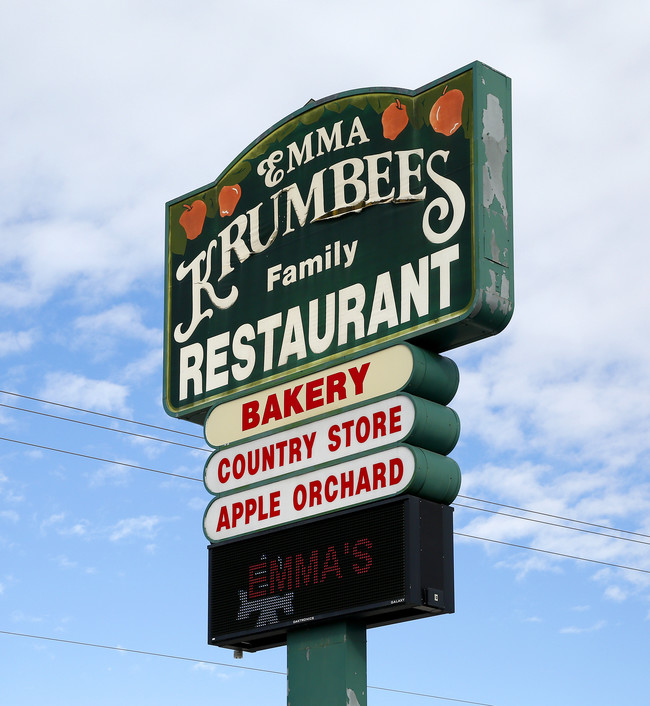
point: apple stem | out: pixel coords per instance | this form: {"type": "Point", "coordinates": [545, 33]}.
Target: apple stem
{"type": "Point", "coordinates": [445, 91]}
{"type": "Point", "coordinates": [399, 105]}
{"type": "Point", "coordinates": [189, 208]}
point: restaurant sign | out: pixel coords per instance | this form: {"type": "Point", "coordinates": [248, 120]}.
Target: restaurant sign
{"type": "Point", "coordinates": [360, 220]}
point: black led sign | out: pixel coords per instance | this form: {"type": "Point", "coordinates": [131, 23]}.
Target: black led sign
{"type": "Point", "coordinates": [385, 563]}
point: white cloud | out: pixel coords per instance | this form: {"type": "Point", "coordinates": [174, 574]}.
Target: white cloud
{"type": "Point", "coordinates": [79, 529]}
{"type": "Point", "coordinates": [63, 562]}
{"type": "Point", "coordinates": [120, 322]}
{"type": "Point", "coordinates": [18, 616]}
{"type": "Point", "coordinates": [556, 401]}
{"type": "Point", "coordinates": [52, 521]}
{"type": "Point", "coordinates": [574, 630]}
{"type": "Point", "coordinates": [601, 497]}
{"type": "Point", "coordinates": [144, 366]}
{"type": "Point", "coordinates": [616, 594]}
{"type": "Point", "coordinates": [11, 496]}
{"type": "Point", "coordinates": [197, 503]}
{"type": "Point", "coordinates": [143, 526]}
{"type": "Point", "coordinates": [113, 474]}
{"type": "Point", "coordinates": [42, 261]}
{"type": "Point", "coordinates": [212, 669]}
{"type": "Point", "coordinates": [151, 449]}
{"type": "Point", "coordinates": [12, 342]}
{"type": "Point", "coordinates": [56, 523]}
{"type": "Point", "coordinates": [79, 391]}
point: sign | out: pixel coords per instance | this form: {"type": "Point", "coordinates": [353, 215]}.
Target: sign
{"type": "Point", "coordinates": [333, 487]}
{"type": "Point", "coordinates": [360, 220]}
{"type": "Point", "coordinates": [393, 369]}
{"type": "Point", "coordinates": [388, 562]}
{"type": "Point", "coordinates": [363, 429]}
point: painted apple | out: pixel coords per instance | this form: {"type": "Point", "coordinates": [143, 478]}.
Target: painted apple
{"type": "Point", "coordinates": [394, 119]}
{"type": "Point", "coordinates": [446, 115]}
{"type": "Point", "coordinates": [193, 218]}
{"type": "Point", "coordinates": [228, 199]}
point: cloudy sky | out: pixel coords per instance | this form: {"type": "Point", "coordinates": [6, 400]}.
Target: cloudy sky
{"type": "Point", "coordinates": [111, 109]}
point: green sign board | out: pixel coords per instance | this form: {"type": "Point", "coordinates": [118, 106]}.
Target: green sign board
{"type": "Point", "coordinates": [360, 220]}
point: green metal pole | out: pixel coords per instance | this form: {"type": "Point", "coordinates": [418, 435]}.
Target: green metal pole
{"type": "Point", "coordinates": [326, 665]}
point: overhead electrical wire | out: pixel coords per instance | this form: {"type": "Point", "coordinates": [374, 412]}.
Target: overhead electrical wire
{"type": "Point", "coordinates": [225, 664]}
{"type": "Point", "coordinates": [100, 414]}
{"type": "Point", "coordinates": [105, 428]}
{"type": "Point", "coordinates": [555, 517]}
{"type": "Point", "coordinates": [199, 448]}
{"type": "Point", "coordinates": [457, 504]}
{"type": "Point", "coordinates": [138, 652]}
{"type": "Point", "coordinates": [207, 450]}
{"type": "Point", "coordinates": [98, 458]}
{"type": "Point", "coordinates": [547, 551]}
{"type": "Point", "coordinates": [553, 524]}
{"type": "Point", "coordinates": [178, 475]}
{"type": "Point", "coordinates": [184, 477]}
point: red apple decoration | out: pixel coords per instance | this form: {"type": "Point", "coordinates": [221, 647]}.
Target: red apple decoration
{"type": "Point", "coordinates": [193, 218]}
{"type": "Point", "coordinates": [228, 199]}
{"type": "Point", "coordinates": [446, 115]}
{"type": "Point", "coordinates": [394, 119]}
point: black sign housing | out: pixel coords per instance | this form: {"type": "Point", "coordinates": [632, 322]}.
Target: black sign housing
{"type": "Point", "coordinates": [385, 563]}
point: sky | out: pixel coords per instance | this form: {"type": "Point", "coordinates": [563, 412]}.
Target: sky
{"type": "Point", "coordinates": [111, 109]}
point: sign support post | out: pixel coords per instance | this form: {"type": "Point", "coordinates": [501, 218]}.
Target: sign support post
{"type": "Point", "coordinates": [326, 665]}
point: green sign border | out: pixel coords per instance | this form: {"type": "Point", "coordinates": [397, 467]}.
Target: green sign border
{"type": "Point", "coordinates": [491, 233]}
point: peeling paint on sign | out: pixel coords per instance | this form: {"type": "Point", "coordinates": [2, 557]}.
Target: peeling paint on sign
{"type": "Point", "coordinates": [352, 698]}
{"type": "Point", "coordinates": [496, 147]}
{"type": "Point", "coordinates": [498, 297]}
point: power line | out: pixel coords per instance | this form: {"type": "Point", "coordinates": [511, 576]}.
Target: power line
{"type": "Point", "coordinates": [547, 551]}
{"type": "Point", "coordinates": [132, 421]}
{"type": "Point", "coordinates": [137, 652]}
{"type": "Point", "coordinates": [101, 426]}
{"type": "Point", "coordinates": [460, 534]}
{"type": "Point", "coordinates": [429, 696]}
{"type": "Point", "coordinates": [553, 524]}
{"type": "Point", "coordinates": [470, 507]}
{"type": "Point", "coordinates": [97, 458]}
{"type": "Point", "coordinates": [100, 414]}
{"type": "Point", "coordinates": [177, 475]}
{"type": "Point", "coordinates": [222, 664]}
{"type": "Point", "coordinates": [457, 504]}
{"type": "Point", "coordinates": [556, 517]}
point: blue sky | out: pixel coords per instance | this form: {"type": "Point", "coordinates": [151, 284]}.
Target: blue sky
{"type": "Point", "coordinates": [109, 110]}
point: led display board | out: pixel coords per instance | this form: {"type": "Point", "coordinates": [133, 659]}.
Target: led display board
{"type": "Point", "coordinates": [366, 218]}
{"type": "Point", "coordinates": [385, 563]}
